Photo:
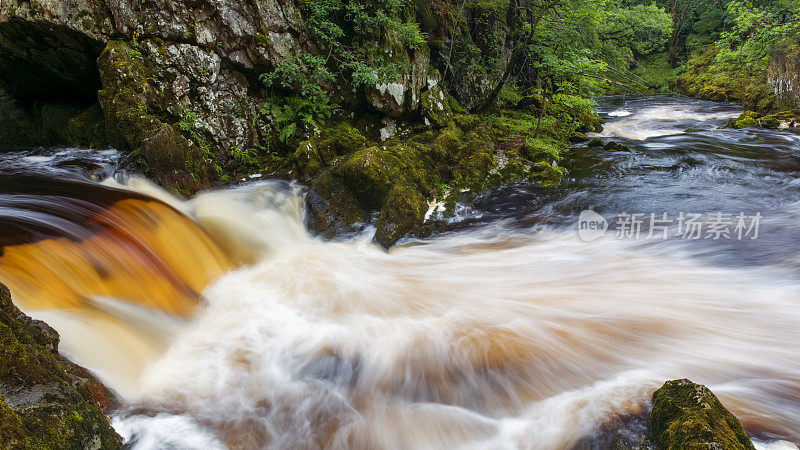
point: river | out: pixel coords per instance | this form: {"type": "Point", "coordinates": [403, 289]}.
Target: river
{"type": "Point", "coordinates": [222, 323]}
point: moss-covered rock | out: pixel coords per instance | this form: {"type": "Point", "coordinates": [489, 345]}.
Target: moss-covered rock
{"type": "Point", "coordinates": [686, 415]}
{"type": "Point", "coordinates": [42, 405]}
{"type": "Point", "coordinates": [595, 142]}
{"type": "Point", "coordinates": [55, 118]}
{"type": "Point", "coordinates": [434, 107]}
{"type": "Point", "coordinates": [401, 215]}
{"type": "Point", "coordinates": [318, 152]}
{"type": "Point", "coordinates": [134, 108]}
{"type": "Point", "coordinates": [780, 119]}
{"type": "Point", "coordinates": [88, 129]}
{"type": "Point", "coordinates": [548, 175]}
{"type": "Point", "coordinates": [614, 146]}
{"type": "Point", "coordinates": [577, 136]}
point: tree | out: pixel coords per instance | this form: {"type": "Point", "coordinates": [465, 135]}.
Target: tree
{"type": "Point", "coordinates": [678, 14]}
{"type": "Point", "coordinates": [534, 11]}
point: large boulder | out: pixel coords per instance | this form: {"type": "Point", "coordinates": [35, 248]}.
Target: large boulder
{"type": "Point", "coordinates": [686, 415]}
{"type": "Point", "coordinates": [45, 402]}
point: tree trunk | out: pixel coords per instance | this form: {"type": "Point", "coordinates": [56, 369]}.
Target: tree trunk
{"type": "Point", "coordinates": [517, 53]}
{"type": "Point", "coordinates": [677, 23]}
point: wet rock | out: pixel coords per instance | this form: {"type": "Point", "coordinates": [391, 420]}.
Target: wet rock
{"type": "Point", "coordinates": [88, 128]}
{"type": "Point", "coordinates": [577, 136]}
{"type": "Point", "coordinates": [595, 142]}
{"type": "Point", "coordinates": [55, 119]}
{"type": "Point", "coordinates": [746, 120]}
{"type": "Point", "coordinates": [136, 114]}
{"type": "Point", "coordinates": [45, 402]}
{"type": "Point", "coordinates": [402, 214]}
{"type": "Point", "coordinates": [689, 415]}
{"type": "Point", "coordinates": [613, 146]}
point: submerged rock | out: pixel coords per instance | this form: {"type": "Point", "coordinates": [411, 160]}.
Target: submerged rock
{"type": "Point", "coordinates": [46, 402]}
{"type": "Point", "coordinates": [689, 415]}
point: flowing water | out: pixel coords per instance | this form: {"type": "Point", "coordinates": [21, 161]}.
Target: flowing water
{"type": "Point", "coordinates": [223, 324]}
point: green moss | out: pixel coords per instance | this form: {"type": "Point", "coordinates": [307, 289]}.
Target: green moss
{"type": "Point", "coordinates": [401, 215]}
{"type": "Point", "coordinates": [341, 201]}
{"type": "Point", "coordinates": [12, 433]}
{"type": "Point", "coordinates": [46, 411]}
{"type": "Point", "coordinates": [88, 128]}
{"type": "Point", "coordinates": [395, 179]}
{"type": "Point", "coordinates": [770, 122]}
{"type": "Point", "coordinates": [577, 136]}
{"type": "Point", "coordinates": [318, 152]}
{"type": "Point", "coordinates": [613, 146]}
{"type": "Point", "coordinates": [686, 415]}
{"type": "Point", "coordinates": [548, 175]}
{"type": "Point", "coordinates": [434, 107]}
{"type": "Point", "coordinates": [370, 173]}
{"type": "Point", "coordinates": [263, 40]}
{"type": "Point", "coordinates": [703, 79]}
{"type": "Point", "coordinates": [136, 115]}
{"type": "Point", "coordinates": [595, 142]}
{"type": "Point", "coordinates": [542, 149]}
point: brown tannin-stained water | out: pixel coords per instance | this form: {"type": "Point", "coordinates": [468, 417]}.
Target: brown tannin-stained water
{"type": "Point", "coordinates": [224, 324]}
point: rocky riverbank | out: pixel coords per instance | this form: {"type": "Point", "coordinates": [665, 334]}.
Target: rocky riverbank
{"type": "Point", "coordinates": [46, 401]}
{"type": "Point", "coordinates": [205, 95]}
{"type": "Point", "coordinates": [770, 93]}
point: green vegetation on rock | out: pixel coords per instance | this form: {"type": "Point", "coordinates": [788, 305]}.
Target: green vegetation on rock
{"type": "Point", "coordinates": [45, 402]}
{"type": "Point", "coordinates": [686, 415]}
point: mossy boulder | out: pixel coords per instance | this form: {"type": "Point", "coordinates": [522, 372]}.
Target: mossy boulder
{"type": "Point", "coordinates": [577, 136]}
{"type": "Point", "coordinates": [319, 151]}
{"type": "Point", "coordinates": [547, 175]}
{"type": "Point", "coordinates": [686, 415]}
{"type": "Point", "coordinates": [614, 146]}
{"type": "Point", "coordinates": [746, 120]}
{"type": "Point", "coordinates": [401, 215]}
{"type": "Point", "coordinates": [770, 122]}
{"type": "Point", "coordinates": [595, 142]}
{"type": "Point", "coordinates": [356, 179]}
{"type": "Point", "coordinates": [45, 402]}
{"type": "Point", "coordinates": [370, 173]}
{"type": "Point", "coordinates": [55, 118]}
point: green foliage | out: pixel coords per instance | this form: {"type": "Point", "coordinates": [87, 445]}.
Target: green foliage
{"type": "Point", "coordinates": [243, 157]}
{"type": "Point", "coordinates": [636, 31]}
{"type": "Point", "coordinates": [754, 32]}
{"type": "Point", "coordinates": [357, 40]}
{"type": "Point", "coordinates": [657, 72]}
{"type": "Point", "coordinates": [187, 122]}
{"type": "Point", "coordinates": [357, 34]}
{"type": "Point", "coordinates": [307, 105]}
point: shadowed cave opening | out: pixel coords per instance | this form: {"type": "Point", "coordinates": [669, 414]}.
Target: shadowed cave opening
{"type": "Point", "coordinates": [48, 86]}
